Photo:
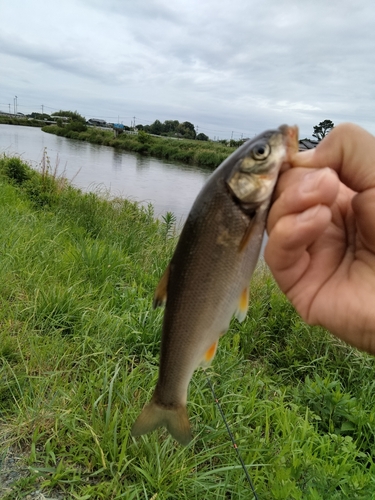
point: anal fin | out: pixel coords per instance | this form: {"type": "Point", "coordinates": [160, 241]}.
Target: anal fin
{"type": "Point", "coordinates": [209, 355]}
{"type": "Point", "coordinates": [243, 305]}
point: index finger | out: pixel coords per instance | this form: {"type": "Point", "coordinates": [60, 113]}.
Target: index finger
{"type": "Point", "coordinates": [349, 150]}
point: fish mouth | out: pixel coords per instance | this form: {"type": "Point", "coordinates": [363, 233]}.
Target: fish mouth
{"type": "Point", "coordinates": [290, 136]}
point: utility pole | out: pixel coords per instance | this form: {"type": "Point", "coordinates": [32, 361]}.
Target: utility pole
{"type": "Point", "coordinates": [133, 121]}
{"type": "Point", "coordinates": [15, 105]}
{"type": "Point", "coordinates": [231, 137]}
{"type": "Point", "coordinates": [9, 108]}
{"type": "Point", "coordinates": [42, 109]}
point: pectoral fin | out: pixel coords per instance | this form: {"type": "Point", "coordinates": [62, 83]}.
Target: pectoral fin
{"type": "Point", "coordinates": [209, 355]}
{"type": "Point", "coordinates": [160, 295]}
{"type": "Point", "coordinates": [243, 305]}
{"type": "Point", "coordinates": [247, 234]}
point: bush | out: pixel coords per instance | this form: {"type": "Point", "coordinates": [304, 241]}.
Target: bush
{"type": "Point", "coordinates": [207, 159]}
{"type": "Point", "coordinates": [76, 127]}
{"type": "Point", "coordinates": [16, 170]}
{"type": "Point", "coordinates": [41, 190]}
{"type": "Point", "coordinates": [143, 138]}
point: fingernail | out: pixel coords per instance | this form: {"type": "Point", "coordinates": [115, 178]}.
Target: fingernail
{"type": "Point", "coordinates": [308, 214]}
{"type": "Point", "coordinates": [311, 181]}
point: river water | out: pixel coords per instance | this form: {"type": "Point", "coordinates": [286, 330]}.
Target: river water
{"type": "Point", "coordinates": [169, 187]}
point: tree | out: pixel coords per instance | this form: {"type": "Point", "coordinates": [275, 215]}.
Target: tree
{"type": "Point", "coordinates": [170, 126]}
{"type": "Point", "coordinates": [156, 128]}
{"type": "Point", "coordinates": [39, 116]}
{"type": "Point", "coordinates": [202, 137]}
{"type": "Point", "coordinates": [73, 115]}
{"type": "Point", "coordinates": [186, 130]}
{"type": "Point", "coordinates": [321, 130]}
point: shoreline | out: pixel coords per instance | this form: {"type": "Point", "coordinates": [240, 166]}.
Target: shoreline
{"type": "Point", "coordinates": [191, 152]}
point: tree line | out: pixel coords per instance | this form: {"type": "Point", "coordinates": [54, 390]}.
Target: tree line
{"type": "Point", "coordinates": [173, 128]}
{"type": "Point", "coordinates": [169, 128]}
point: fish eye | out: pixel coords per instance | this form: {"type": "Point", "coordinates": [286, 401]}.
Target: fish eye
{"type": "Point", "coordinates": [260, 151]}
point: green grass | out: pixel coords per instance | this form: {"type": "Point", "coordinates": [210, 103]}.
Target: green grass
{"type": "Point", "coordinates": [79, 346]}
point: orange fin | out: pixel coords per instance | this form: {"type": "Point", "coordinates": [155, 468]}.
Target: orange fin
{"type": "Point", "coordinates": [160, 295]}
{"type": "Point", "coordinates": [243, 305]}
{"type": "Point", "coordinates": [209, 355]}
{"type": "Point", "coordinates": [247, 235]}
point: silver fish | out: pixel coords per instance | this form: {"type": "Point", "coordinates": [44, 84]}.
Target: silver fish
{"type": "Point", "coordinates": [207, 280]}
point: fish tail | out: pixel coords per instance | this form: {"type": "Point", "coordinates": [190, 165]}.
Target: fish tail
{"type": "Point", "coordinates": [155, 415]}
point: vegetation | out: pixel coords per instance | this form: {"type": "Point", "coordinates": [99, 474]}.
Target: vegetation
{"type": "Point", "coordinates": [39, 116]}
{"type": "Point", "coordinates": [73, 115]}
{"type": "Point", "coordinates": [321, 130]}
{"type": "Point", "coordinates": [178, 142]}
{"type": "Point", "coordinates": [171, 128]}
{"type": "Point", "coordinates": [204, 153]}
{"type": "Point", "coordinates": [19, 120]}
{"type": "Point", "coordinates": [79, 348]}
{"type": "Point", "coordinates": [202, 137]}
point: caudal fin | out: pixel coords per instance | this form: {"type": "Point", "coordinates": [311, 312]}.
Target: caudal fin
{"type": "Point", "coordinates": [175, 420]}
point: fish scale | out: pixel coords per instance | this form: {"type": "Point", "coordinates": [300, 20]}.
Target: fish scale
{"type": "Point", "coordinates": [207, 280]}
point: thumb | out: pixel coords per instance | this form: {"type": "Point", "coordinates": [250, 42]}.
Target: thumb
{"type": "Point", "coordinates": [350, 151]}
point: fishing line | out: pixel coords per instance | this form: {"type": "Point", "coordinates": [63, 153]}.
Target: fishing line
{"type": "Point", "coordinates": [232, 438]}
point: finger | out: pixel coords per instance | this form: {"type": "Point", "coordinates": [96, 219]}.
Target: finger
{"type": "Point", "coordinates": [364, 209]}
{"type": "Point", "coordinates": [347, 149]}
{"type": "Point", "coordinates": [300, 189]}
{"type": "Point", "coordinates": [288, 240]}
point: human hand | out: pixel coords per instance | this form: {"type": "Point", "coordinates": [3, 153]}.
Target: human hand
{"type": "Point", "coordinates": [321, 246]}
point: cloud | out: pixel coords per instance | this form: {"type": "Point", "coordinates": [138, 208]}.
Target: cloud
{"type": "Point", "coordinates": [228, 65]}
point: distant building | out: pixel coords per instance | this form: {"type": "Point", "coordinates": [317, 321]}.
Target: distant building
{"type": "Point", "coordinates": [95, 122]}
{"type": "Point", "coordinates": [305, 144]}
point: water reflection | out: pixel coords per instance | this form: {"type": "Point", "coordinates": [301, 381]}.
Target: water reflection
{"type": "Point", "coordinates": [168, 186]}
{"type": "Point", "coordinates": [142, 162]}
{"type": "Point", "coordinates": [117, 160]}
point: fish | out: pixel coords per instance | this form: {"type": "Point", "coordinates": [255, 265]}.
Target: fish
{"type": "Point", "coordinates": [207, 280]}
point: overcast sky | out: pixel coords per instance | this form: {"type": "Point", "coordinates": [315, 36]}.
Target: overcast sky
{"type": "Point", "coordinates": [238, 66]}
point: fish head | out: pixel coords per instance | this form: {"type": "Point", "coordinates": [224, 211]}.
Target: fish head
{"type": "Point", "coordinates": [254, 175]}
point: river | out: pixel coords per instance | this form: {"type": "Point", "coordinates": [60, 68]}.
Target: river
{"type": "Point", "coordinates": [168, 186]}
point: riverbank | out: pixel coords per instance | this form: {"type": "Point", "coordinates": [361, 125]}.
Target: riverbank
{"type": "Point", "coordinates": [202, 153]}
{"type": "Point", "coordinates": [79, 351]}
{"type": "Point", "coordinates": [23, 121]}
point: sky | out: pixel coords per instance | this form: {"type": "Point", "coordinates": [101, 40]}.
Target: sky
{"type": "Point", "coordinates": [232, 68]}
